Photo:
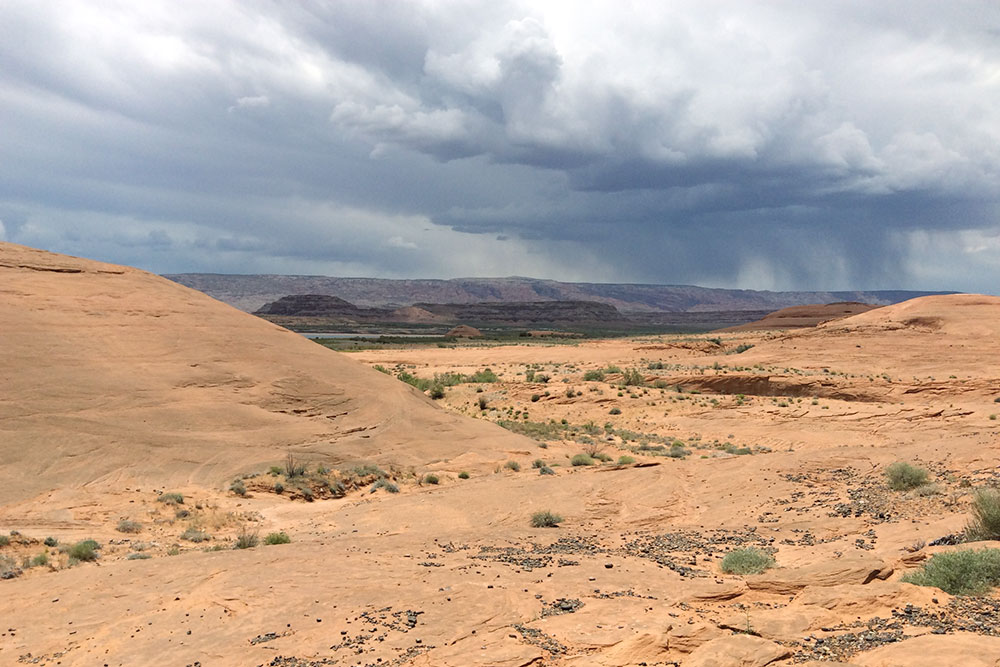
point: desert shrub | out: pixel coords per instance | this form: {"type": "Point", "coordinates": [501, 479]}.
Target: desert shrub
{"type": "Point", "coordinates": [612, 369]}
{"type": "Point", "coordinates": [50, 542]}
{"type": "Point", "coordinates": [128, 526]}
{"type": "Point", "coordinates": [512, 465]}
{"type": "Point", "coordinates": [971, 572]}
{"type": "Point", "coordinates": [383, 483]}
{"type": "Point", "coordinates": [545, 470]}
{"type": "Point", "coordinates": [274, 471]}
{"type": "Point", "coordinates": [740, 349]}
{"type": "Point", "coordinates": [437, 391]}
{"type": "Point", "coordinates": [277, 538]}
{"type": "Point", "coordinates": [193, 534]}
{"type": "Point", "coordinates": [485, 375]}
{"type": "Point", "coordinates": [292, 467]}
{"type": "Point", "coordinates": [279, 487]}
{"type": "Point", "coordinates": [545, 519]}
{"type": "Point", "coordinates": [367, 470]}
{"type": "Point", "coordinates": [171, 498]}
{"type": "Point", "coordinates": [84, 550]}
{"type": "Point", "coordinates": [40, 560]}
{"type": "Point", "coordinates": [463, 475]}
{"type": "Point", "coordinates": [985, 522]}
{"type": "Point", "coordinates": [615, 411]}
{"type": "Point", "coordinates": [246, 540]}
{"type": "Point", "coordinates": [238, 487]}
{"type": "Point", "coordinates": [483, 403]}
{"type": "Point", "coordinates": [747, 561]}
{"type": "Point", "coordinates": [538, 463]}
{"type": "Point", "coordinates": [903, 476]}
{"type": "Point", "coordinates": [594, 376]}
{"type": "Point", "coordinates": [535, 398]}
{"type": "Point", "coordinates": [625, 460]}
{"type": "Point", "coordinates": [730, 448]}
{"type": "Point", "coordinates": [602, 457]}
{"type": "Point", "coordinates": [581, 460]}
{"type": "Point", "coordinates": [4, 540]}
{"type": "Point", "coordinates": [431, 479]}
{"type": "Point", "coordinates": [138, 557]}
{"type": "Point", "coordinates": [173, 551]}
{"type": "Point", "coordinates": [633, 378]}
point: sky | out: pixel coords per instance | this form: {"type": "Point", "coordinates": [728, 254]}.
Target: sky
{"type": "Point", "coordinates": [844, 144]}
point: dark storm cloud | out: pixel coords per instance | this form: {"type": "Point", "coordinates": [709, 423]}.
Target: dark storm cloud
{"type": "Point", "coordinates": [786, 144]}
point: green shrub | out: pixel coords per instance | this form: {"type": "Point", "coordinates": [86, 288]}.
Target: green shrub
{"type": "Point", "coordinates": [483, 403]}
{"type": "Point", "coordinates": [971, 572]}
{"type": "Point", "coordinates": [485, 375]}
{"type": "Point", "coordinates": [383, 483]}
{"type": "Point", "coordinates": [138, 557]}
{"type": "Point", "coordinates": [545, 470]}
{"type": "Point", "coordinates": [194, 535]}
{"type": "Point", "coordinates": [277, 538]}
{"type": "Point", "coordinates": [238, 487]}
{"type": "Point", "coordinates": [50, 542]}
{"type": "Point", "coordinates": [431, 479]}
{"type": "Point", "coordinates": [625, 460]}
{"type": "Point", "coordinates": [279, 487]}
{"type": "Point", "coordinates": [633, 378]}
{"type": "Point", "coordinates": [747, 561]}
{"type": "Point", "coordinates": [246, 540]}
{"type": "Point", "coordinates": [903, 476]}
{"type": "Point", "coordinates": [84, 550]}
{"type": "Point", "coordinates": [985, 522]}
{"type": "Point", "coordinates": [274, 471]}
{"type": "Point", "coordinates": [4, 540]}
{"type": "Point", "coordinates": [535, 398]}
{"type": "Point", "coordinates": [538, 463]}
{"type": "Point", "coordinates": [171, 498]}
{"type": "Point", "coordinates": [463, 475]}
{"type": "Point", "coordinates": [545, 519]}
{"type": "Point", "coordinates": [582, 460]}
{"type": "Point", "coordinates": [614, 411]}
{"type": "Point", "coordinates": [512, 465]}
{"type": "Point", "coordinates": [594, 376]}
{"type": "Point", "coordinates": [128, 526]}
{"type": "Point", "coordinates": [40, 560]}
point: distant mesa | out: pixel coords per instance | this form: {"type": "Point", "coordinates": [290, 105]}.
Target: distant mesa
{"type": "Point", "coordinates": [465, 331]}
{"type": "Point", "coordinates": [310, 305]}
{"type": "Point", "coordinates": [250, 292]}
{"type": "Point", "coordinates": [488, 312]}
{"type": "Point", "coordinates": [802, 317]}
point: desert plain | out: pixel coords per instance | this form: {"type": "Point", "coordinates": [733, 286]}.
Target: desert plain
{"type": "Point", "coordinates": [171, 429]}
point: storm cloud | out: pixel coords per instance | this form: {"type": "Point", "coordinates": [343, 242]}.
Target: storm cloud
{"type": "Point", "coordinates": [825, 145]}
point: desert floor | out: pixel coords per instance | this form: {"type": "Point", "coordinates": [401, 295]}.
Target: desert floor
{"type": "Point", "coordinates": [699, 450]}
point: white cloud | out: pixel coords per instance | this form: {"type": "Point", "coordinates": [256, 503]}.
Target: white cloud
{"type": "Point", "coordinates": [251, 102]}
